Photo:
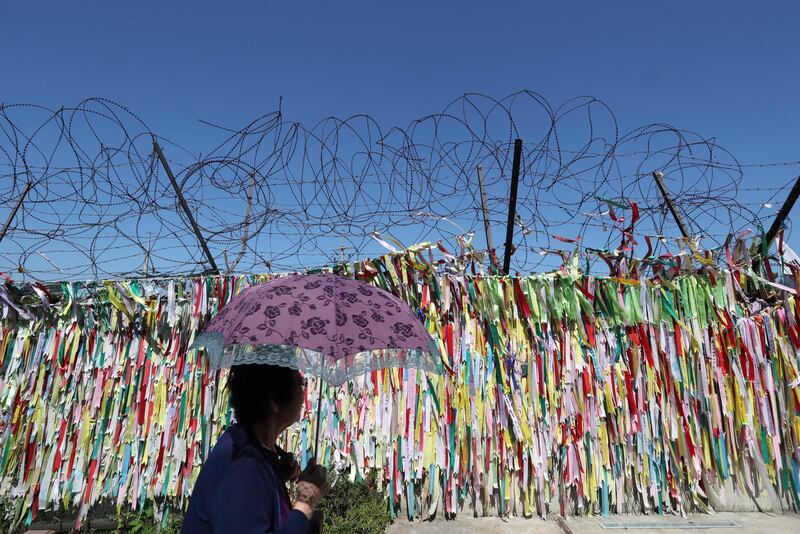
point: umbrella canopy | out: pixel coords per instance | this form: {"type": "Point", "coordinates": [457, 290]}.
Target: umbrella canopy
{"type": "Point", "coordinates": [322, 324]}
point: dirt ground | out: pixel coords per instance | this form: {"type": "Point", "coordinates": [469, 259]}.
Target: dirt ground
{"type": "Point", "coordinates": [723, 523]}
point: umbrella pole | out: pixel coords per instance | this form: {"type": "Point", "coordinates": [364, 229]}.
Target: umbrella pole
{"type": "Point", "coordinates": [319, 416]}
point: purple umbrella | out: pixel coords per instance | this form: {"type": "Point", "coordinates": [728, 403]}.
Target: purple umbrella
{"type": "Point", "coordinates": [321, 324]}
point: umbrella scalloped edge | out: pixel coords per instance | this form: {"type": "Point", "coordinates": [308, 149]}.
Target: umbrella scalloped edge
{"type": "Point", "coordinates": [331, 370]}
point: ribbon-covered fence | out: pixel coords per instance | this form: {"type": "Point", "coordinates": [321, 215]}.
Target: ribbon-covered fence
{"type": "Point", "coordinates": [560, 393]}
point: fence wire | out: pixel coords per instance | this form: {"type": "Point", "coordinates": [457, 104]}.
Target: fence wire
{"type": "Point", "coordinates": [276, 194]}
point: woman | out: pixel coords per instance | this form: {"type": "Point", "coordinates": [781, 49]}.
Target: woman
{"type": "Point", "coordinates": [242, 485]}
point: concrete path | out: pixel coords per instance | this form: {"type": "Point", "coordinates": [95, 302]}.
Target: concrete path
{"type": "Point", "coordinates": [748, 523]}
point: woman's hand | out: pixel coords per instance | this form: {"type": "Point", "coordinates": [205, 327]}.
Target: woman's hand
{"type": "Point", "coordinates": [290, 468]}
{"type": "Point", "coordinates": [312, 486]}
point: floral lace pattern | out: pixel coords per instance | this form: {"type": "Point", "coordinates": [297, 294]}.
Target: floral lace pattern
{"type": "Point", "coordinates": [335, 371]}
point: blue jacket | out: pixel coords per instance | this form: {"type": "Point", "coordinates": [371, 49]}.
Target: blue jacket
{"type": "Point", "coordinates": [239, 490]}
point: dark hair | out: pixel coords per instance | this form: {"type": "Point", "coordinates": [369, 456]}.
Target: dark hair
{"type": "Point", "coordinates": [252, 386]}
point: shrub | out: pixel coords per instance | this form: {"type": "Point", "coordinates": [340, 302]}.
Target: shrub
{"type": "Point", "coordinates": [354, 508]}
{"type": "Point", "coordinates": [145, 522]}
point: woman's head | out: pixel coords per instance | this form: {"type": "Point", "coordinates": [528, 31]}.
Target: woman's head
{"type": "Point", "coordinates": [261, 393]}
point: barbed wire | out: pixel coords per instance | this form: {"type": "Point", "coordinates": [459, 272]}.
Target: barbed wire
{"type": "Point", "coordinates": [280, 195]}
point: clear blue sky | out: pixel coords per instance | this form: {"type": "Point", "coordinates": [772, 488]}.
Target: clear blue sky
{"type": "Point", "coordinates": [731, 68]}
{"type": "Point", "coordinates": [725, 69]}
